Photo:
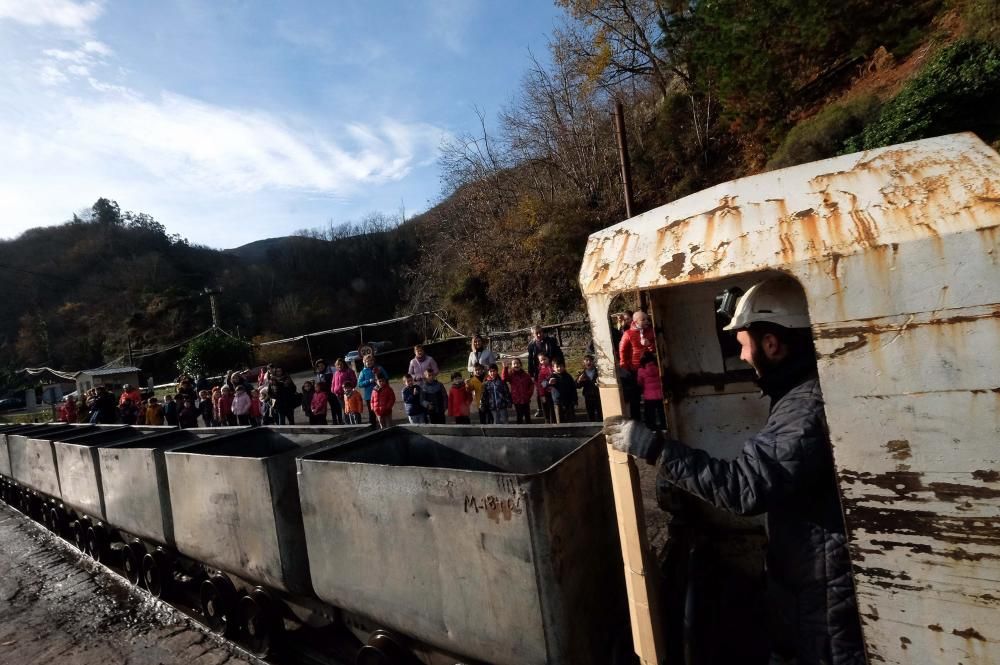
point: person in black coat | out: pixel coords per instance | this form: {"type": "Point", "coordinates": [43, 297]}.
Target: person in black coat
{"type": "Point", "coordinates": [786, 471]}
{"type": "Point", "coordinates": [563, 393]}
{"type": "Point", "coordinates": [541, 343]}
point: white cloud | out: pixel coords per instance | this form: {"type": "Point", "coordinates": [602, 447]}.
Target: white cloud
{"type": "Point", "coordinates": [184, 143]}
{"type": "Point", "coordinates": [51, 75]}
{"type": "Point", "coordinates": [97, 48]}
{"type": "Point", "coordinates": [58, 64]}
{"type": "Point", "coordinates": [449, 21]}
{"type": "Point", "coordinates": [59, 13]}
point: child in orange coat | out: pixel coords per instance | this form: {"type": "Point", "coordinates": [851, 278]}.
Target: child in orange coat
{"type": "Point", "coordinates": [354, 404]}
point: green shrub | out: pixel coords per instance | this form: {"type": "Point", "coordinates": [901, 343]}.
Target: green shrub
{"type": "Point", "coordinates": [212, 353]}
{"type": "Point", "coordinates": [824, 134]}
{"type": "Point", "coordinates": [958, 90]}
{"type": "Point", "coordinates": [982, 18]}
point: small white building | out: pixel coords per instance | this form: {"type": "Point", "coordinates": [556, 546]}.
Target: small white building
{"type": "Point", "coordinates": [113, 377]}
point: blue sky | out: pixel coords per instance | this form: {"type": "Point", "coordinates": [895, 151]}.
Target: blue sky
{"type": "Point", "coordinates": [231, 121]}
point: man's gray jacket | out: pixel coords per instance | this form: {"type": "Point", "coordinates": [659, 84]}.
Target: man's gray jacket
{"type": "Point", "coordinates": [786, 470]}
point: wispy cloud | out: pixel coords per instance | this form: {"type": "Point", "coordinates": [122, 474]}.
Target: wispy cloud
{"type": "Point", "coordinates": [187, 143]}
{"type": "Point", "coordinates": [60, 13]}
{"type": "Point", "coordinates": [448, 21]}
{"type": "Point", "coordinates": [58, 65]}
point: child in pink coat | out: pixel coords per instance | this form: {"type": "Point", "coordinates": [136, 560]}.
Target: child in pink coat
{"type": "Point", "coordinates": [648, 378]}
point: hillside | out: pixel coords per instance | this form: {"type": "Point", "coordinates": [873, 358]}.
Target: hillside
{"type": "Point", "coordinates": [263, 250]}
{"type": "Point", "coordinates": [712, 91]}
{"type": "Point", "coordinates": [79, 294]}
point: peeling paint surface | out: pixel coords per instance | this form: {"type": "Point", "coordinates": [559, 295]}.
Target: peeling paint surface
{"type": "Point", "coordinates": [897, 250]}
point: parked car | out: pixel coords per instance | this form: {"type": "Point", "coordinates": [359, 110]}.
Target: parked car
{"type": "Point", "coordinates": [11, 403]}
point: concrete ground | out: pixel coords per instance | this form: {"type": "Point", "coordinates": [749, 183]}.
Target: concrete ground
{"type": "Point", "coordinates": [58, 607]}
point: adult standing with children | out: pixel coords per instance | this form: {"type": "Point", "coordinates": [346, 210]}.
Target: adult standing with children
{"type": "Point", "coordinates": [541, 344]}
{"type": "Point", "coordinates": [366, 382]}
{"type": "Point", "coordinates": [636, 341]}
{"type": "Point", "coordinates": [420, 363]}
{"type": "Point", "coordinates": [480, 355]}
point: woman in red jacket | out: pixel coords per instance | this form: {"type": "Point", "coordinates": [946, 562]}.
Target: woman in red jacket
{"type": "Point", "coordinates": [636, 341]}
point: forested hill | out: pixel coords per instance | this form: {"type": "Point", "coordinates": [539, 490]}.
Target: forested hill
{"type": "Point", "coordinates": [76, 293]}
{"type": "Point", "coordinates": [712, 91]}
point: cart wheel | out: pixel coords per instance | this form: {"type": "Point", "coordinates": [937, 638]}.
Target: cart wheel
{"type": "Point", "coordinates": [157, 572]}
{"type": "Point", "coordinates": [383, 648]}
{"type": "Point", "coordinates": [262, 625]}
{"type": "Point", "coordinates": [132, 556]}
{"type": "Point", "coordinates": [56, 522]}
{"type": "Point", "coordinates": [79, 535]}
{"type": "Point", "coordinates": [218, 605]}
{"type": "Point", "coordinates": [96, 542]}
{"type": "Point", "coordinates": [31, 507]}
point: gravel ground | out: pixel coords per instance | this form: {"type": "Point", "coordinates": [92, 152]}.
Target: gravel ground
{"type": "Point", "coordinates": [56, 606]}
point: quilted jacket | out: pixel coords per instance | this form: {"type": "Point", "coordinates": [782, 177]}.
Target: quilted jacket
{"type": "Point", "coordinates": [786, 470]}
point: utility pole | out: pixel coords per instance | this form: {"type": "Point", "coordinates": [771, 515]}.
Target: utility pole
{"type": "Point", "coordinates": [623, 156]}
{"type": "Point", "coordinates": [128, 340]}
{"type": "Point", "coordinates": [211, 293]}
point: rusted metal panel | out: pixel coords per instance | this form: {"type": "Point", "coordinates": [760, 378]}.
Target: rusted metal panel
{"type": "Point", "coordinates": [897, 252]}
{"type": "Point", "coordinates": [813, 212]}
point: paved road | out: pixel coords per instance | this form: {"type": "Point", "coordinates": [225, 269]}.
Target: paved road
{"type": "Point", "coordinates": [57, 607]}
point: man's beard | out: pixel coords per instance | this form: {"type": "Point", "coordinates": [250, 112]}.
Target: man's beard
{"type": "Point", "coordinates": [764, 366]}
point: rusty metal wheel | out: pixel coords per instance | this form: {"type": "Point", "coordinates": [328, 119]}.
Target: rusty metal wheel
{"type": "Point", "coordinates": [132, 555]}
{"type": "Point", "coordinates": [384, 648]}
{"type": "Point", "coordinates": [56, 521]}
{"type": "Point", "coordinates": [96, 542]}
{"type": "Point", "coordinates": [79, 535]}
{"type": "Point", "coordinates": [158, 572]}
{"type": "Point", "coordinates": [219, 605]}
{"type": "Point", "coordinates": [261, 622]}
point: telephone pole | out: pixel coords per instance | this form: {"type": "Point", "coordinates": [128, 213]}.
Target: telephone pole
{"type": "Point", "coordinates": [211, 293]}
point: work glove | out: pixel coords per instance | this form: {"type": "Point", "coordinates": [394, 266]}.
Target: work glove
{"type": "Point", "coordinates": [632, 437]}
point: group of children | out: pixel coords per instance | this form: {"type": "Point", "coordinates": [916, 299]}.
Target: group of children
{"type": "Point", "coordinates": [493, 391]}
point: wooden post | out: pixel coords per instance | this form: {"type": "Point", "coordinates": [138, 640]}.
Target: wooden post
{"type": "Point", "coordinates": [623, 156]}
{"type": "Point", "coordinates": [640, 571]}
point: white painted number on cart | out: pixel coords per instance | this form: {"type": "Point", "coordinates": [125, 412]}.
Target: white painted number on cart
{"type": "Point", "coordinates": [495, 507]}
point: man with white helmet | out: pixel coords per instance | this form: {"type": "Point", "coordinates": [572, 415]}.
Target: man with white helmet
{"type": "Point", "coordinates": [785, 470]}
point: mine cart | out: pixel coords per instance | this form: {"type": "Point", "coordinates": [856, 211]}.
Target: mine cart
{"type": "Point", "coordinates": [78, 469]}
{"type": "Point", "coordinates": [496, 542]}
{"type": "Point", "coordinates": [234, 503]}
{"type": "Point", "coordinates": [33, 459]}
{"type": "Point", "coordinates": [5, 469]}
{"type": "Point", "coordinates": [896, 250]}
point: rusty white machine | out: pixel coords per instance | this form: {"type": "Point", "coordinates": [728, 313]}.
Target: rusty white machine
{"type": "Point", "coordinates": [896, 250]}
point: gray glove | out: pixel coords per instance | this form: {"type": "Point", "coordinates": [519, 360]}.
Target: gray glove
{"type": "Point", "coordinates": [632, 437]}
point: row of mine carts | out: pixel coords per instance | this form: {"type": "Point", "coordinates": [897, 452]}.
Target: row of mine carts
{"type": "Point", "coordinates": [417, 544]}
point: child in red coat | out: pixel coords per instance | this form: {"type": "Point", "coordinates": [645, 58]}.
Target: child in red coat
{"type": "Point", "coordinates": [459, 400]}
{"type": "Point", "coordinates": [383, 399]}
{"type": "Point", "coordinates": [522, 387]}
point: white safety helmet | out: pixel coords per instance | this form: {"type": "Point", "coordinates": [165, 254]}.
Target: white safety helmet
{"type": "Point", "coordinates": [780, 301]}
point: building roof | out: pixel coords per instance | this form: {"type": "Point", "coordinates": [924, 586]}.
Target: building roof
{"type": "Point", "coordinates": [111, 371]}
{"type": "Point", "coordinates": [43, 373]}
